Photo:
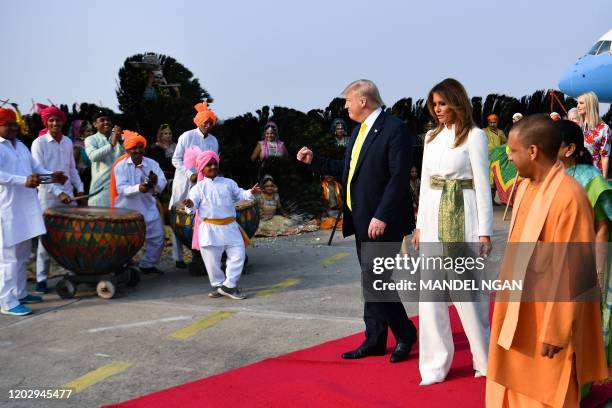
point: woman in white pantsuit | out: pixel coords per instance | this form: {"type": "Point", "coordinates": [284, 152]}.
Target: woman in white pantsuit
{"type": "Point", "coordinates": [455, 159]}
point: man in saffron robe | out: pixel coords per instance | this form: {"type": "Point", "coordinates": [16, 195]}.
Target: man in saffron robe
{"type": "Point", "coordinates": [542, 350]}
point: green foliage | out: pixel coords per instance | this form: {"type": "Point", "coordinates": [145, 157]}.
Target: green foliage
{"type": "Point", "coordinates": [146, 115]}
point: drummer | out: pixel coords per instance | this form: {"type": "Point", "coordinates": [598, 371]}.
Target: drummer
{"type": "Point", "coordinates": [20, 215]}
{"type": "Point", "coordinates": [214, 198]}
{"type": "Point", "coordinates": [134, 179]}
{"type": "Point", "coordinates": [53, 150]}
{"type": "Point", "coordinates": [185, 177]}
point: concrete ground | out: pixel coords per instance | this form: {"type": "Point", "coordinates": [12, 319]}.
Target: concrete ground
{"type": "Point", "coordinates": [166, 331]}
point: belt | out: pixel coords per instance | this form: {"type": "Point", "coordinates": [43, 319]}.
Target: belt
{"type": "Point", "coordinates": [451, 216]}
{"type": "Point", "coordinates": [227, 221]}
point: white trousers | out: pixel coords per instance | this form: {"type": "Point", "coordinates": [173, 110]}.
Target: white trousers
{"type": "Point", "coordinates": [177, 248]}
{"type": "Point", "coordinates": [154, 243]}
{"type": "Point", "coordinates": [13, 273]}
{"type": "Point", "coordinates": [436, 346]}
{"type": "Point", "coordinates": [211, 255]}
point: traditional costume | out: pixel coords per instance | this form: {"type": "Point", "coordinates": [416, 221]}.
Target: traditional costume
{"type": "Point", "coordinates": [495, 137]}
{"type": "Point", "coordinates": [20, 219]}
{"type": "Point", "coordinates": [599, 193]}
{"type": "Point", "coordinates": [125, 193]}
{"type": "Point", "coordinates": [217, 232]}
{"type": "Point", "coordinates": [558, 212]}
{"type": "Point", "coordinates": [181, 183]}
{"type": "Point", "coordinates": [57, 156]}
{"type": "Point", "coordinates": [455, 206]}
{"type": "Point", "coordinates": [102, 155]}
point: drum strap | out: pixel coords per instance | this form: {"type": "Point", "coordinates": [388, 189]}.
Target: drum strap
{"type": "Point", "coordinates": [227, 221]}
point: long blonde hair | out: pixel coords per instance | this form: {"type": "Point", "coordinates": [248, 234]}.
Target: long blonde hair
{"type": "Point", "coordinates": [456, 97]}
{"type": "Point", "coordinates": [591, 104]}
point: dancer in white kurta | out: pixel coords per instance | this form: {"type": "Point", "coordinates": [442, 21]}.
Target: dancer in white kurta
{"type": "Point", "coordinates": [20, 216]}
{"type": "Point", "coordinates": [135, 179]}
{"type": "Point", "coordinates": [54, 151]}
{"type": "Point", "coordinates": [185, 177]}
{"type": "Point", "coordinates": [444, 161]}
{"type": "Point", "coordinates": [214, 197]}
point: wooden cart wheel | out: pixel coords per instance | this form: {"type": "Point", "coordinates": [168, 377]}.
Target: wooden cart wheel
{"type": "Point", "coordinates": [105, 289]}
{"type": "Point", "coordinates": [133, 276]}
{"type": "Point", "coordinates": [65, 289]}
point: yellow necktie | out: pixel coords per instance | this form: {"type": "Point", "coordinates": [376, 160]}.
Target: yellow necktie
{"type": "Point", "coordinates": [354, 157]}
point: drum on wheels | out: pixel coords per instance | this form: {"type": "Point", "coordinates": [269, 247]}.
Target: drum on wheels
{"type": "Point", "coordinates": [95, 244]}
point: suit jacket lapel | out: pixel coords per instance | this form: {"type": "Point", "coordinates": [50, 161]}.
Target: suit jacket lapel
{"type": "Point", "coordinates": [372, 134]}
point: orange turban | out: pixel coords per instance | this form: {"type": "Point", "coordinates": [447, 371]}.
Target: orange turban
{"type": "Point", "coordinates": [131, 139]}
{"type": "Point", "coordinates": [204, 114]}
{"type": "Point", "coordinates": [6, 116]}
{"type": "Point", "coordinates": [492, 117]}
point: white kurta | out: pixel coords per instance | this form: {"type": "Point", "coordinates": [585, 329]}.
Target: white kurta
{"type": "Point", "coordinates": [181, 183]}
{"type": "Point", "coordinates": [468, 161]}
{"type": "Point", "coordinates": [57, 157]}
{"type": "Point", "coordinates": [20, 219]}
{"type": "Point", "coordinates": [20, 212]}
{"type": "Point", "coordinates": [102, 155]}
{"type": "Point", "coordinates": [128, 178]}
{"type": "Point", "coordinates": [215, 199]}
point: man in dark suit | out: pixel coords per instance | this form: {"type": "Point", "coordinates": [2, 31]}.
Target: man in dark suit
{"type": "Point", "coordinates": [375, 174]}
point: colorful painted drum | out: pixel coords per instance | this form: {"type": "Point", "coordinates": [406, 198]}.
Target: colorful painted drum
{"type": "Point", "coordinates": [248, 217]}
{"type": "Point", "coordinates": [182, 223]}
{"type": "Point", "coordinates": [93, 240]}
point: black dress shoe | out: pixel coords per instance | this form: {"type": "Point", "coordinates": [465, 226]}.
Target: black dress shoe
{"type": "Point", "coordinates": [401, 352]}
{"type": "Point", "coordinates": [361, 353]}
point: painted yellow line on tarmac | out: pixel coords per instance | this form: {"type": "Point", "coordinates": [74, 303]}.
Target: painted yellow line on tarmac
{"type": "Point", "coordinates": [97, 375]}
{"type": "Point", "coordinates": [329, 261]}
{"type": "Point", "coordinates": [275, 288]}
{"type": "Point", "coordinates": [208, 321]}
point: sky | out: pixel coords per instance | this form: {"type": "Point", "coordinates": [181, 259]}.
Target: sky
{"type": "Point", "coordinates": [297, 54]}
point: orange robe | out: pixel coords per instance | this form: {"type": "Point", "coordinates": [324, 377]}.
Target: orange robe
{"type": "Point", "coordinates": [557, 211]}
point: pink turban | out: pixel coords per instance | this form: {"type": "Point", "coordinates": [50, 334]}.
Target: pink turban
{"type": "Point", "coordinates": [194, 157]}
{"type": "Point", "coordinates": [6, 116]}
{"type": "Point", "coordinates": [204, 114]}
{"type": "Point", "coordinates": [47, 111]}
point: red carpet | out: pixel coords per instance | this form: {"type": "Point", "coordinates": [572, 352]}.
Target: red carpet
{"type": "Point", "coordinates": [316, 376]}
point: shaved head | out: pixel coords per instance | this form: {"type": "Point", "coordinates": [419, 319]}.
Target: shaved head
{"type": "Point", "coordinates": [539, 130]}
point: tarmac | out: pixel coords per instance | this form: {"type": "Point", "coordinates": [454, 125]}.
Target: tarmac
{"type": "Point", "coordinates": [166, 331]}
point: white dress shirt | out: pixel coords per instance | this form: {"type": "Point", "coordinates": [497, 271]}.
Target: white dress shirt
{"type": "Point", "coordinates": [215, 198]}
{"type": "Point", "coordinates": [128, 178]}
{"type": "Point", "coordinates": [50, 154]}
{"type": "Point", "coordinates": [20, 212]}
{"type": "Point", "coordinates": [182, 183]}
{"type": "Point", "coordinates": [369, 121]}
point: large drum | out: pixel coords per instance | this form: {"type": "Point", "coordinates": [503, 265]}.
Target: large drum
{"type": "Point", "coordinates": [93, 240]}
{"type": "Point", "coordinates": [182, 223]}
